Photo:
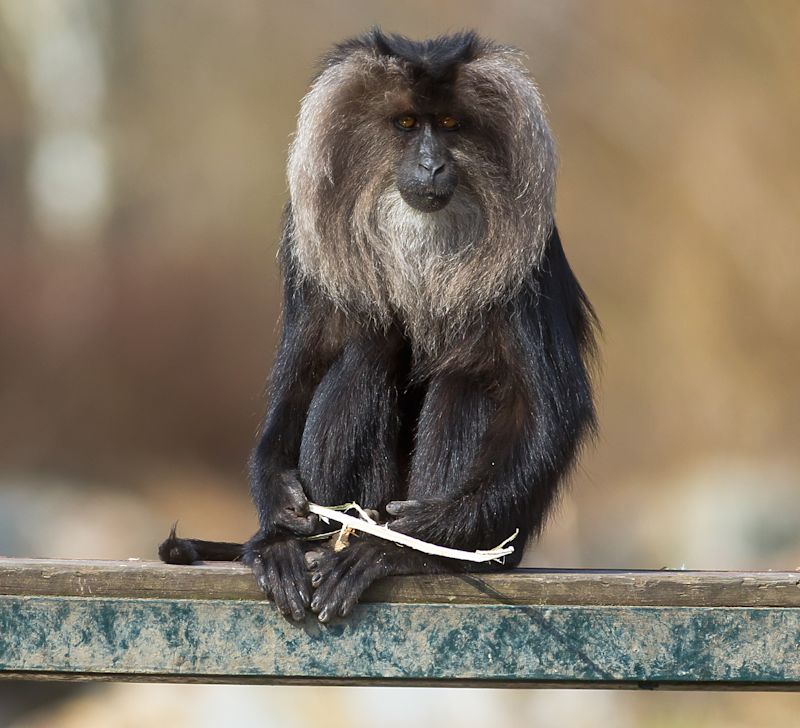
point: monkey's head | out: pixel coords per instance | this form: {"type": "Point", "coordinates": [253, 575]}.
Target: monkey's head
{"type": "Point", "coordinates": [422, 175]}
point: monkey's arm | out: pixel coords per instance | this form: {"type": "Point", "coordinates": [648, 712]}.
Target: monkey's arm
{"type": "Point", "coordinates": [516, 469]}
{"type": "Point", "coordinates": [300, 362]}
{"type": "Point", "coordinates": [519, 432]}
{"type": "Point", "coordinates": [274, 553]}
{"type": "Point", "coordinates": [304, 353]}
{"type": "Point", "coordinates": [491, 447]}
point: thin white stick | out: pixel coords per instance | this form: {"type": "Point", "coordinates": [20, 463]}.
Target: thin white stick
{"type": "Point", "coordinates": [328, 514]}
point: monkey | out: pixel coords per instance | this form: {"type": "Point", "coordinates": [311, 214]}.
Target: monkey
{"type": "Point", "coordinates": [436, 357]}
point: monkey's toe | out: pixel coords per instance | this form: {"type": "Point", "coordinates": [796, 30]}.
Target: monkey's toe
{"type": "Point", "coordinates": [281, 574]}
{"type": "Point", "coordinates": [339, 579]}
{"type": "Point", "coordinates": [313, 558]}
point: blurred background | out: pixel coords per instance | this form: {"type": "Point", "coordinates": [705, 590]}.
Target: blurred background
{"type": "Point", "coordinates": [142, 154]}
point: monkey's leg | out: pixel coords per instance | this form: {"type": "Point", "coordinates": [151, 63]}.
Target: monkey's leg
{"type": "Point", "coordinates": [346, 451]}
{"type": "Point", "coordinates": [479, 473]}
{"type": "Point", "coordinates": [468, 487]}
{"type": "Point", "coordinates": [453, 423]}
{"type": "Point", "coordinates": [349, 447]}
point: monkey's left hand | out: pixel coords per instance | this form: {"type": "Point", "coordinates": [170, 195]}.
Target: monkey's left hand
{"type": "Point", "coordinates": [340, 578]}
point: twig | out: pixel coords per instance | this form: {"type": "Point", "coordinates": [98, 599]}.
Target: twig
{"type": "Point", "coordinates": [369, 526]}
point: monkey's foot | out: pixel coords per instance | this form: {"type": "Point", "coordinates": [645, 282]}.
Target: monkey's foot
{"type": "Point", "coordinates": [280, 571]}
{"type": "Point", "coordinates": [340, 578]}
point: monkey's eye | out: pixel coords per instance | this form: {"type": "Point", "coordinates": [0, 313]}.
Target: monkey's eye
{"type": "Point", "coordinates": [406, 122]}
{"type": "Point", "coordinates": [448, 122]}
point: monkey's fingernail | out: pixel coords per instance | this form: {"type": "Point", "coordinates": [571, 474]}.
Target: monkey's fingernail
{"type": "Point", "coordinates": [324, 615]}
{"type": "Point", "coordinates": [315, 604]}
{"type": "Point", "coordinates": [316, 580]}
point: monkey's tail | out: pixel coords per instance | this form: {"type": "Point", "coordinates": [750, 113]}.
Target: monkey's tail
{"type": "Point", "coordinates": [176, 550]}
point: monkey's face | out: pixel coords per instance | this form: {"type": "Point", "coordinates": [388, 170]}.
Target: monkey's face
{"type": "Point", "coordinates": [426, 174]}
{"type": "Point", "coordinates": [421, 177]}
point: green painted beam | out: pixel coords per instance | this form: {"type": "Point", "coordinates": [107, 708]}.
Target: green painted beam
{"type": "Point", "coordinates": [507, 637]}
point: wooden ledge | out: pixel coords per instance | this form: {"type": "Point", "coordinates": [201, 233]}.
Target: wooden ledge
{"type": "Point", "coordinates": [151, 579]}
{"type": "Point", "coordinates": [137, 620]}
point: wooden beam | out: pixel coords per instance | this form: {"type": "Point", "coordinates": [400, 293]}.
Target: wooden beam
{"type": "Point", "coordinates": [148, 621]}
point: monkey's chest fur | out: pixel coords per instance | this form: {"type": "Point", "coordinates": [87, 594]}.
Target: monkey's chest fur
{"type": "Point", "coordinates": [432, 275]}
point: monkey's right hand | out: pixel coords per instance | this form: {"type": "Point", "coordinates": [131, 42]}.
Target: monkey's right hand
{"type": "Point", "coordinates": [280, 570]}
{"type": "Point", "coordinates": [288, 508]}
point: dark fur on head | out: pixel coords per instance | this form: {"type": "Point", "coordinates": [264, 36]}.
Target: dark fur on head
{"type": "Point", "coordinates": [436, 58]}
{"type": "Point", "coordinates": [355, 238]}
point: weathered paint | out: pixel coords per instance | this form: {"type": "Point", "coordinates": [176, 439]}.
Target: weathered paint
{"type": "Point", "coordinates": [519, 645]}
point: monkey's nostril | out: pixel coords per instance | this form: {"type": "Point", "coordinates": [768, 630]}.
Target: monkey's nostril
{"type": "Point", "coordinates": [430, 172]}
{"type": "Point", "coordinates": [429, 165]}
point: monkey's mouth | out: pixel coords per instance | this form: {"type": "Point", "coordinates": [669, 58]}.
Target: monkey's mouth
{"type": "Point", "coordinates": [424, 190]}
{"type": "Point", "coordinates": [426, 201]}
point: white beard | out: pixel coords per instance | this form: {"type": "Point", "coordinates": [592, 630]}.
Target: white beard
{"type": "Point", "coordinates": [421, 252]}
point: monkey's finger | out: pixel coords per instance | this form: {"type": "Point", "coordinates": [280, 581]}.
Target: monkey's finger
{"type": "Point", "coordinates": [290, 586]}
{"type": "Point", "coordinates": [321, 571]}
{"type": "Point", "coordinates": [296, 496]}
{"type": "Point", "coordinates": [336, 585]}
{"type": "Point", "coordinates": [279, 595]}
{"type": "Point", "coordinates": [347, 605]}
{"type": "Point", "coordinates": [322, 567]}
{"type": "Point", "coordinates": [326, 581]}
{"type": "Point", "coordinates": [333, 606]}
{"type": "Point", "coordinates": [261, 577]}
{"type": "Point", "coordinates": [401, 508]}
{"type": "Point", "coordinates": [301, 582]}
{"type": "Point", "coordinates": [402, 525]}
{"type": "Point", "coordinates": [294, 600]}
{"type": "Point", "coordinates": [299, 525]}
{"type": "Point", "coordinates": [313, 558]}
{"type": "Point", "coordinates": [349, 590]}
{"type": "Point", "coordinates": [355, 586]}
{"type": "Point", "coordinates": [307, 525]}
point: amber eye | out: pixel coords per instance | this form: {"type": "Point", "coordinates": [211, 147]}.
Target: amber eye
{"type": "Point", "coordinates": [448, 122]}
{"type": "Point", "coordinates": [406, 122]}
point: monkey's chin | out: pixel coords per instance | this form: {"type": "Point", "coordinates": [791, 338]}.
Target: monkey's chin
{"type": "Point", "coordinates": [426, 202]}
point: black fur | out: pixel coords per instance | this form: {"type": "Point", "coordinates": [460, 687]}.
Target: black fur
{"type": "Point", "coordinates": [473, 446]}
{"type": "Point", "coordinates": [176, 550]}
{"type": "Point", "coordinates": [435, 58]}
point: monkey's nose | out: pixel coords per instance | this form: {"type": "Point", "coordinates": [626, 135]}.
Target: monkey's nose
{"type": "Point", "coordinates": [432, 166]}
